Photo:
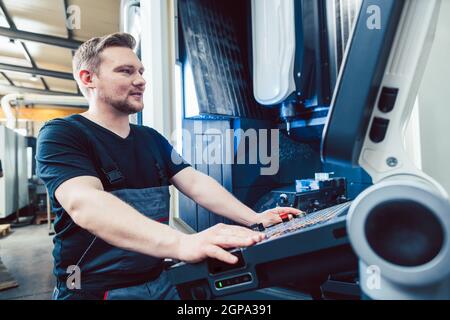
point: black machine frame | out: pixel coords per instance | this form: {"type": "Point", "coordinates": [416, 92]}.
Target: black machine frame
{"type": "Point", "coordinates": [359, 82]}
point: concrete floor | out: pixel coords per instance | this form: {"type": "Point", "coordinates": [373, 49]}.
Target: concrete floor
{"type": "Point", "coordinates": [27, 254]}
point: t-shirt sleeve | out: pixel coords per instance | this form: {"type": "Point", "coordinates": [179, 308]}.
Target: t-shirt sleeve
{"type": "Point", "coordinates": [174, 163]}
{"type": "Point", "coordinates": [62, 154]}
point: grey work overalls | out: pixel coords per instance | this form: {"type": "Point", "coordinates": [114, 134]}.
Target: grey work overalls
{"type": "Point", "coordinates": [99, 256]}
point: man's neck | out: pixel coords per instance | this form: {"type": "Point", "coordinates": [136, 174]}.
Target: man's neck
{"type": "Point", "coordinates": [109, 118]}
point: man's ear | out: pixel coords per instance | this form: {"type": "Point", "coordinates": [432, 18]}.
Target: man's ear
{"type": "Point", "coordinates": [86, 78]}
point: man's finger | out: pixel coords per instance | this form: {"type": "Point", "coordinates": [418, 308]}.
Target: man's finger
{"type": "Point", "coordinates": [239, 231]}
{"type": "Point", "coordinates": [233, 241]}
{"type": "Point", "coordinates": [220, 254]}
{"type": "Point", "coordinates": [290, 210]}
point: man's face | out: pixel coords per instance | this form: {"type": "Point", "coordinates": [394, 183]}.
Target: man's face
{"type": "Point", "coordinates": [119, 80]}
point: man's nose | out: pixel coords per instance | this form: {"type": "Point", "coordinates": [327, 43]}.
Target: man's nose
{"type": "Point", "coordinates": [139, 81]}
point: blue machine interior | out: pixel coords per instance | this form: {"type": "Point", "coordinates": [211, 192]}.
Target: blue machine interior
{"type": "Point", "coordinates": [224, 102]}
{"type": "Point", "coordinates": [215, 36]}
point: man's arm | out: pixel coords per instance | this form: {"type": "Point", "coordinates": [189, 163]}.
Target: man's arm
{"type": "Point", "coordinates": [208, 193]}
{"type": "Point", "coordinates": [119, 224]}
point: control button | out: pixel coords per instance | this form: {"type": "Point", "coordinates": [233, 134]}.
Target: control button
{"type": "Point", "coordinates": [225, 283]}
{"type": "Point", "coordinates": [301, 215]}
{"type": "Point", "coordinates": [246, 278]}
{"type": "Point", "coordinates": [379, 129]}
{"type": "Point", "coordinates": [284, 199]}
{"type": "Point", "coordinates": [387, 100]}
{"type": "Point", "coordinates": [342, 199]}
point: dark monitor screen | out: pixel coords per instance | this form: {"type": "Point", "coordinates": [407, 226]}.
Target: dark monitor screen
{"type": "Point", "coordinates": [340, 19]}
{"type": "Point", "coordinates": [358, 83]}
{"type": "Point", "coordinates": [322, 33]}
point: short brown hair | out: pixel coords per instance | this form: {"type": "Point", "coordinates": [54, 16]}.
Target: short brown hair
{"type": "Point", "coordinates": [88, 57]}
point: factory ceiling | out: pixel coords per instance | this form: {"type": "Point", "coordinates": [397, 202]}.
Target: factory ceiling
{"type": "Point", "coordinates": [37, 40]}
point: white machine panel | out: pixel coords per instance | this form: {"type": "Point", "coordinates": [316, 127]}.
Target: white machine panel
{"type": "Point", "coordinates": [8, 188]}
{"type": "Point", "coordinates": [273, 23]}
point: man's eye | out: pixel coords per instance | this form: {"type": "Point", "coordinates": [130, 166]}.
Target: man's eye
{"type": "Point", "coordinates": [127, 71]}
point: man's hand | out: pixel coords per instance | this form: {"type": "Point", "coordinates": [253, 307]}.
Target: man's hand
{"type": "Point", "coordinates": [212, 243]}
{"type": "Point", "coordinates": [274, 216]}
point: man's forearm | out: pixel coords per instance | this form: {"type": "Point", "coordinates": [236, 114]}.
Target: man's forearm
{"type": "Point", "coordinates": [212, 196]}
{"type": "Point", "coordinates": [122, 226]}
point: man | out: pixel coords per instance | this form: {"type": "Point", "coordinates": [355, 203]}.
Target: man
{"type": "Point", "coordinates": [108, 184]}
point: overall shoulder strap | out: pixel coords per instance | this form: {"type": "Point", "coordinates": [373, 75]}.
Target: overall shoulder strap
{"type": "Point", "coordinates": [164, 180]}
{"type": "Point", "coordinates": [107, 165]}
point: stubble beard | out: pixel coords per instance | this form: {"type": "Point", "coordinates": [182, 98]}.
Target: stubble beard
{"type": "Point", "coordinates": [123, 106]}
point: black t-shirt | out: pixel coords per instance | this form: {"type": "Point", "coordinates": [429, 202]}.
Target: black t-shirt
{"type": "Point", "coordinates": [64, 152]}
